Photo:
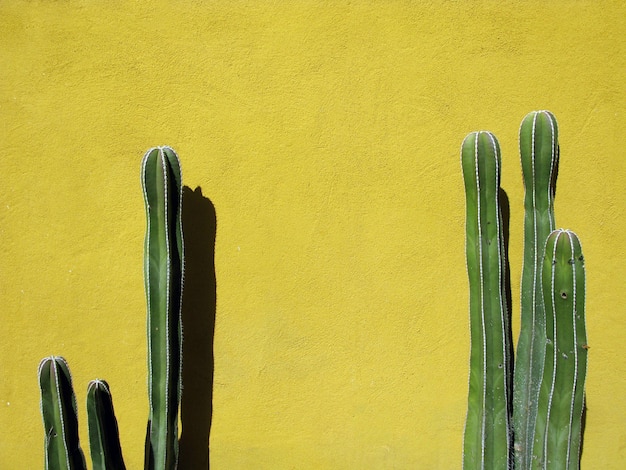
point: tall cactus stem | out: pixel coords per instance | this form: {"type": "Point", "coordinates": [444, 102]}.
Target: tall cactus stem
{"type": "Point", "coordinates": [58, 409]}
{"type": "Point", "coordinates": [539, 150]}
{"type": "Point", "coordinates": [487, 440]}
{"type": "Point", "coordinates": [163, 272]}
{"type": "Point", "coordinates": [104, 441]}
{"type": "Point", "coordinates": [561, 397]}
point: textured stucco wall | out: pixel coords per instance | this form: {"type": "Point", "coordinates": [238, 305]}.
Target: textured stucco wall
{"type": "Point", "coordinates": [327, 136]}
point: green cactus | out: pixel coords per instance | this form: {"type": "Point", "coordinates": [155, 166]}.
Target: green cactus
{"type": "Point", "coordinates": [557, 433]}
{"type": "Point", "coordinates": [104, 441]}
{"type": "Point", "coordinates": [487, 443]}
{"type": "Point", "coordinates": [60, 421]}
{"type": "Point", "coordinates": [163, 272]}
{"type": "Point", "coordinates": [539, 150]}
{"type": "Point", "coordinates": [547, 398]}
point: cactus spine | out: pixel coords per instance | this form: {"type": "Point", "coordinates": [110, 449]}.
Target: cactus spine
{"type": "Point", "coordinates": [58, 409]}
{"type": "Point", "coordinates": [487, 429]}
{"type": "Point", "coordinates": [163, 272]}
{"type": "Point", "coordinates": [539, 150]}
{"type": "Point", "coordinates": [104, 442]}
{"type": "Point", "coordinates": [557, 433]}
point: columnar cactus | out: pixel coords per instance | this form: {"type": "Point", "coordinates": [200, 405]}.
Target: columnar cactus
{"type": "Point", "coordinates": [163, 273]}
{"type": "Point", "coordinates": [60, 421]}
{"type": "Point", "coordinates": [488, 428]}
{"type": "Point", "coordinates": [557, 433]}
{"type": "Point", "coordinates": [104, 440]}
{"type": "Point", "coordinates": [539, 150]}
{"type": "Point", "coordinates": [547, 399]}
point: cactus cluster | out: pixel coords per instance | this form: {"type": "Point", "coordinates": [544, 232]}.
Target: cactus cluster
{"type": "Point", "coordinates": [522, 415]}
{"type": "Point", "coordinates": [163, 274]}
{"type": "Point", "coordinates": [526, 414]}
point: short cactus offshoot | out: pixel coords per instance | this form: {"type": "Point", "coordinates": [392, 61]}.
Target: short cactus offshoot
{"type": "Point", "coordinates": [547, 397]}
{"type": "Point", "coordinates": [104, 440]}
{"type": "Point", "coordinates": [60, 421]}
{"type": "Point", "coordinates": [560, 404]}
{"type": "Point", "coordinates": [164, 266]}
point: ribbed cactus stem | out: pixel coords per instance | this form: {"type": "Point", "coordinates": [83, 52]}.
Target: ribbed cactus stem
{"type": "Point", "coordinates": [539, 149]}
{"type": "Point", "coordinates": [58, 409]}
{"type": "Point", "coordinates": [104, 442]}
{"type": "Point", "coordinates": [561, 398]}
{"type": "Point", "coordinates": [163, 272]}
{"type": "Point", "coordinates": [487, 442]}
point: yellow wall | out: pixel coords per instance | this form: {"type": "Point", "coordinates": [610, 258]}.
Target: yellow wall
{"type": "Point", "coordinates": [327, 136]}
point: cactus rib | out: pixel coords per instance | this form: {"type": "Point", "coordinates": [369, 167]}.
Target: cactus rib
{"type": "Point", "coordinates": [487, 429]}
{"type": "Point", "coordinates": [164, 266]}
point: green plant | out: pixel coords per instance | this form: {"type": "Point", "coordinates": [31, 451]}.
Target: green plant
{"type": "Point", "coordinates": [560, 404]}
{"type": "Point", "coordinates": [104, 440]}
{"type": "Point", "coordinates": [487, 430]}
{"type": "Point", "coordinates": [536, 423]}
{"type": "Point", "coordinates": [163, 273]}
{"type": "Point", "coordinates": [58, 409]}
{"type": "Point", "coordinates": [539, 150]}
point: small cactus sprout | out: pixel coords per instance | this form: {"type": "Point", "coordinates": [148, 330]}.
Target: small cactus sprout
{"type": "Point", "coordinates": [60, 421]}
{"type": "Point", "coordinates": [163, 273]}
{"type": "Point", "coordinates": [539, 149]}
{"type": "Point", "coordinates": [487, 443]}
{"type": "Point", "coordinates": [557, 434]}
{"type": "Point", "coordinates": [104, 441]}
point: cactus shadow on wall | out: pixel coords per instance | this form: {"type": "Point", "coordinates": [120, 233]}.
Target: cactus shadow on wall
{"type": "Point", "coordinates": [583, 425]}
{"type": "Point", "coordinates": [505, 211]}
{"type": "Point", "coordinates": [198, 318]}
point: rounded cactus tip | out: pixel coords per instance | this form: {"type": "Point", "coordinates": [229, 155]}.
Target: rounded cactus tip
{"type": "Point", "coordinates": [159, 148]}
{"type": "Point", "coordinates": [471, 140]}
{"type": "Point", "coordinates": [563, 231]}
{"type": "Point", "coordinates": [540, 111]}
{"type": "Point", "coordinates": [98, 384]}
{"type": "Point", "coordinates": [533, 115]}
{"type": "Point", "coordinates": [566, 237]}
{"type": "Point", "coordinates": [571, 234]}
{"type": "Point", "coordinates": [474, 134]}
{"type": "Point", "coordinates": [51, 359]}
